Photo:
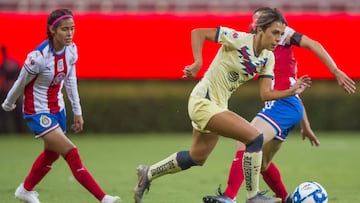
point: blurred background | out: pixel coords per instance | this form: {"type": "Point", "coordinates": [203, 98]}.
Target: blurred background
{"type": "Point", "coordinates": [180, 5]}
{"type": "Point", "coordinates": [132, 52]}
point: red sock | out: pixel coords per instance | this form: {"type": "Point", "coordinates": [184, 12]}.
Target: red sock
{"type": "Point", "coordinates": [82, 175]}
{"type": "Point", "coordinates": [272, 177]}
{"type": "Point", "coordinates": [236, 176]}
{"type": "Point", "coordinates": [40, 167]}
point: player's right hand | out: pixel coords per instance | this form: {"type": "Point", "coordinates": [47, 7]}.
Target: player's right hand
{"type": "Point", "coordinates": [301, 84]}
{"type": "Point", "coordinates": [7, 106]}
{"type": "Point", "coordinates": [191, 71]}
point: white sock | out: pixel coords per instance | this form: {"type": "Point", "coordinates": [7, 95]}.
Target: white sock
{"type": "Point", "coordinates": [166, 166]}
{"type": "Point", "coordinates": [252, 167]}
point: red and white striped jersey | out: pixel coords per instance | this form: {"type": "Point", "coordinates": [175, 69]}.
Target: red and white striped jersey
{"type": "Point", "coordinates": [42, 77]}
{"type": "Point", "coordinates": [285, 70]}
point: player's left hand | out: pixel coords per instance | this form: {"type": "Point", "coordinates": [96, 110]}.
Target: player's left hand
{"type": "Point", "coordinates": [345, 82]}
{"type": "Point", "coordinates": [309, 134]}
{"type": "Point", "coordinates": [77, 126]}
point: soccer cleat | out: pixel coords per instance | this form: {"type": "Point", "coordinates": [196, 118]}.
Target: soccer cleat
{"type": "Point", "coordinates": [289, 199]}
{"type": "Point", "coordinates": [261, 198]}
{"type": "Point", "coordinates": [142, 184]}
{"type": "Point", "coordinates": [26, 196]}
{"type": "Point", "coordinates": [219, 198]}
{"type": "Point", "coordinates": [111, 199]}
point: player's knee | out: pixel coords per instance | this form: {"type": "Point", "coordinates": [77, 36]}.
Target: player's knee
{"type": "Point", "coordinates": [185, 161]}
{"type": "Point", "coordinates": [256, 144]}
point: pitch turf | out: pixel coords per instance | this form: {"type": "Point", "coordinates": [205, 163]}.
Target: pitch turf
{"type": "Point", "coordinates": [112, 160]}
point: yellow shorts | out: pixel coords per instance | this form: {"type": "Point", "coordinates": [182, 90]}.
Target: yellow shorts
{"type": "Point", "coordinates": [201, 110]}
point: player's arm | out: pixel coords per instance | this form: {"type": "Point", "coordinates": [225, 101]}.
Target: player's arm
{"type": "Point", "coordinates": [70, 84]}
{"type": "Point", "coordinates": [198, 37]}
{"type": "Point", "coordinates": [306, 131]}
{"type": "Point", "coordinates": [267, 92]}
{"type": "Point", "coordinates": [17, 89]}
{"type": "Point", "coordinates": [343, 80]}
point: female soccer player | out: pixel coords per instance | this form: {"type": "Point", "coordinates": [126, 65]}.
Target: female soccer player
{"type": "Point", "coordinates": [46, 70]}
{"type": "Point", "coordinates": [280, 116]}
{"type": "Point", "coordinates": [241, 56]}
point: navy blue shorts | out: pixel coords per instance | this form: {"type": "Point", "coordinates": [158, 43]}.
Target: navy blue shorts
{"type": "Point", "coordinates": [43, 123]}
{"type": "Point", "coordinates": [283, 115]}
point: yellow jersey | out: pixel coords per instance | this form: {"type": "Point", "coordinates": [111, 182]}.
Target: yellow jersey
{"type": "Point", "coordinates": [234, 64]}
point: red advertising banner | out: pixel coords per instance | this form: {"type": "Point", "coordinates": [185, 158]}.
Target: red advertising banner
{"type": "Point", "coordinates": [157, 45]}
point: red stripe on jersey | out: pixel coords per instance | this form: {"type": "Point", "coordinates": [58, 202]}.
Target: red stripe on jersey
{"type": "Point", "coordinates": [285, 67]}
{"type": "Point", "coordinates": [29, 105]}
{"type": "Point", "coordinates": [60, 70]}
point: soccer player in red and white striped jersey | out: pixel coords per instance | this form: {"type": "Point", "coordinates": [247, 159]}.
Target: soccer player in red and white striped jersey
{"type": "Point", "coordinates": [46, 70]}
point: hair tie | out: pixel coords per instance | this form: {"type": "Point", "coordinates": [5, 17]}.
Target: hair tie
{"type": "Point", "coordinates": [60, 18]}
{"type": "Point", "coordinates": [254, 24]}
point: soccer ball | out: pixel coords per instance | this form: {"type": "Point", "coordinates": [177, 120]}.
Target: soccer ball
{"type": "Point", "coordinates": [310, 192]}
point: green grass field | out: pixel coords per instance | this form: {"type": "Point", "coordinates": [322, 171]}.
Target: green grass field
{"type": "Point", "coordinates": [112, 161]}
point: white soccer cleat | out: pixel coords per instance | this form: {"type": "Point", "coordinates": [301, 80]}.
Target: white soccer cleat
{"type": "Point", "coordinates": [111, 199]}
{"type": "Point", "coordinates": [26, 196]}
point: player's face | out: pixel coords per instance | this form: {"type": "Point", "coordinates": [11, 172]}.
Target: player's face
{"type": "Point", "coordinates": [270, 38]}
{"type": "Point", "coordinates": [63, 34]}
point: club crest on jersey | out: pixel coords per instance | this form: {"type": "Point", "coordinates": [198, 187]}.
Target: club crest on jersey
{"type": "Point", "coordinates": [58, 78]}
{"type": "Point", "coordinates": [45, 121]}
{"type": "Point", "coordinates": [235, 35]}
{"type": "Point", "coordinates": [60, 65]}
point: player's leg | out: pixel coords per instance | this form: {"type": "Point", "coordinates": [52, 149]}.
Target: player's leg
{"type": "Point", "coordinates": [235, 179]}
{"type": "Point", "coordinates": [236, 176]}
{"type": "Point", "coordinates": [41, 166]}
{"type": "Point", "coordinates": [57, 141]}
{"type": "Point", "coordinates": [43, 163]}
{"type": "Point", "coordinates": [234, 126]}
{"type": "Point", "coordinates": [203, 142]}
{"type": "Point", "coordinates": [271, 174]}
{"type": "Point", "coordinates": [284, 114]}
{"type": "Point", "coordinates": [202, 146]}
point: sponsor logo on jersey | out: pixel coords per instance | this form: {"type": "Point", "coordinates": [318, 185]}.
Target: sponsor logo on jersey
{"type": "Point", "coordinates": [233, 76]}
{"type": "Point", "coordinates": [45, 121]}
{"type": "Point", "coordinates": [60, 65]}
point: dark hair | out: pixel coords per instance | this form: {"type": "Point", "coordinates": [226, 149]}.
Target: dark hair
{"type": "Point", "coordinates": [56, 14]}
{"type": "Point", "coordinates": [267, 17]}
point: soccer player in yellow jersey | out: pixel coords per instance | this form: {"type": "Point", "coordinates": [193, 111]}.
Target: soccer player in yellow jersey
{"type": "Point", "coordinates": [241, 57]}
